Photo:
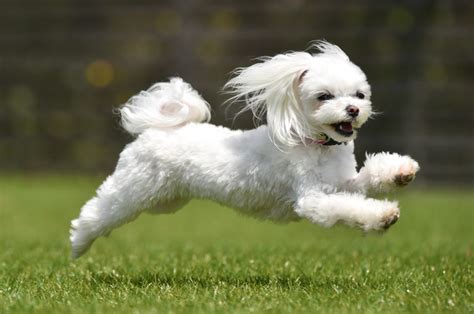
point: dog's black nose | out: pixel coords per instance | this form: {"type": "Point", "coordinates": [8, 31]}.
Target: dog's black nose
{"type": "Point", "coordinates": [352, 110]}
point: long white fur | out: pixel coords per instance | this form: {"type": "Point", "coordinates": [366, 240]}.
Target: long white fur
{"type": "Point", "coordinates": [164, 105]}
{"type": "Point", "coordinates": [272, 86]}
{"type": "Point", "coordinates": [175, 158]}
{"type": "Point", "coordinates": [269, 87]}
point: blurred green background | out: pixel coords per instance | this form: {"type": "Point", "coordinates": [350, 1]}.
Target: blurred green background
{"type": "Point", "coordinates": [65, 64]}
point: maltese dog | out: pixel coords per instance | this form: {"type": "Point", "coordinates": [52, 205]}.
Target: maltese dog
{"type": "Point", "coordinates": [299, 165]}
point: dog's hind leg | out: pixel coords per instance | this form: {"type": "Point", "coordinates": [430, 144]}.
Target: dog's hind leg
{"type": "Point", "coordinates": [85, 229]}
{"type": "Point", "coordinates": [120, 199]}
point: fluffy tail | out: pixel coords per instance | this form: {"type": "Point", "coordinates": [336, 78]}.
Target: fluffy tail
{"type": "Point", "coordinates": [164, 105]}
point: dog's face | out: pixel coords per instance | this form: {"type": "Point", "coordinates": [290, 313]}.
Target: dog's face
{"type": "Point", "coordinates": [306, 95]}
{"type": "Point", "coordinates": [335, 96]}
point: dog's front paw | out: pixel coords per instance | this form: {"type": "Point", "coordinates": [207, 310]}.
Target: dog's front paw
{"type": "Point", "coordinates": [384, 171]}
{"type": "Point", "coordinates": [383, 216]}
{"type": "Point", "coordinates": [406, 172]}
{"type": "Point", "coordinates": [390, 218]}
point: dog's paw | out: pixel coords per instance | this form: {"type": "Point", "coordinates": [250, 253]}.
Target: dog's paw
{"type": "Point", "coordinates": [386, 219]}
{"type": "Point", "coordinates": [406, 172]}
{"type": "Point", "coordinates": [390, 218]}
{"type": "Point", "coordinates": [385, 171]}
{"type": "Point", "coordinates": [383, 217]}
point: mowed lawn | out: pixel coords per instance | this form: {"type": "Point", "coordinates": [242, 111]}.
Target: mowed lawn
{"type": "Point", "coordinates": [207, 258]}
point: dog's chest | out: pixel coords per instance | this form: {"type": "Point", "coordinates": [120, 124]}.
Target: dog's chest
{"type": "Point", "coordinates": [327, 166]}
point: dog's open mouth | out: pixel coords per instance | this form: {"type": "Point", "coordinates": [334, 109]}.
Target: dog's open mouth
{"type": "Point", "coordinates": [344, 128]}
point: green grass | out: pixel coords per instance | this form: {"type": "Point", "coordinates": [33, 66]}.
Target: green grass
{"type": "Point", "coordinates": [209, 259]}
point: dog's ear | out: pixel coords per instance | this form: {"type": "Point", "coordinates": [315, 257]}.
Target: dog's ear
{"type": "Point", "coordinates": [301, 76]}
{"type": "Point", "coordinates": [271, 86]}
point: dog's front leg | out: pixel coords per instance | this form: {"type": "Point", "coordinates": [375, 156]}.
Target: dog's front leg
{"type": "Point", "coordinates": [382, 172]}
{"type": "Point", "coordinates": [349, 208]}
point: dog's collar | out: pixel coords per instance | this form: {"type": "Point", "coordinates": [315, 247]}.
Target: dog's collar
{"type": "Point", "coordinates": [322, 139]}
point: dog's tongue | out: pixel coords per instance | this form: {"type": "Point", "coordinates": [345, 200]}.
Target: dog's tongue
{"type": "Point", "coordinates": [346, 126]}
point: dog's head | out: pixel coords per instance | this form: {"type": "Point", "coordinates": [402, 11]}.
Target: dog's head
{"type": "Point", "coordinates": [306, 96]}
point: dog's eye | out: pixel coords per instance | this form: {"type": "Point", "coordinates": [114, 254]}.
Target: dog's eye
{"type": "Point", "coordinates": [360, 95]}
{"type": "Point", "coordinates": [323, 97]}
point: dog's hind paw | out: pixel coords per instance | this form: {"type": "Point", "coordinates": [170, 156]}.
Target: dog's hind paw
{"type": "Point", "coordinates": [81, 237]}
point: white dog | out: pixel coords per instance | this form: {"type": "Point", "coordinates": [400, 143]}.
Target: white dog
{"type": "Point", "coordinates": [300, 165]}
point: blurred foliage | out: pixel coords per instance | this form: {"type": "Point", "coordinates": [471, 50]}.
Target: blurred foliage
{"type": "Point", "coordinates": [66, 64]}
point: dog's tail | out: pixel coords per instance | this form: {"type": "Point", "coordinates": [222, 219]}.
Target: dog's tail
{"type": "Point", "coordinates": [164, 105]}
